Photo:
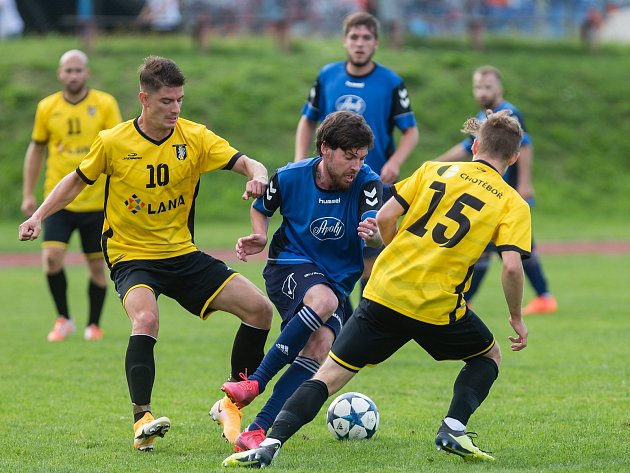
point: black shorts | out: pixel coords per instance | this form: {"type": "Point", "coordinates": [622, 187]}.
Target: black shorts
{"type": "Point", "coordinates": [287, 284]}
{"type": "Point", "coordinates": [375, 332]}
{"type": "Point", "coordinates": [193, 280]}
{"type": "Point", "coordinates": [59, 227]}
{"type": "Point", "coordinates": [368, 251]}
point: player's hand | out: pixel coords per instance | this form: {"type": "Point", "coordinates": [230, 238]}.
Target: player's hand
{"type": "Point", "coordinates": [520, 341]}
{"type": "Point", "coordinates": [255, 188]}
{"type": "Point", "coordinates": [29, 205]}
{"type": "Point", "coordinates": [390, 172]}
{"type": "Point", "coordinates": [368, 232]}
{"type": "Point", "coordinates": [30, 229]}
{"type": "Point", "coordinates": [250, 245]}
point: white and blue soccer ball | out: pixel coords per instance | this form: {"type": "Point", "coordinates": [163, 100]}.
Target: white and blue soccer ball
{"type": "Point", "coordinates": [352, 416]}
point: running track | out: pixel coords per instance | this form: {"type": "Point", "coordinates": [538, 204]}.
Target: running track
{"type": "Point", "coordinates": [559, 248]}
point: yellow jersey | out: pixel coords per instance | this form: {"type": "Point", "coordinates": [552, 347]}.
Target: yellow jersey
{"type": "Point", "coordinates": [453, 210]}
{"type": "Point", "coordinates": [69, 129]}
{"type": "Point", "coordinates": [151, 187]}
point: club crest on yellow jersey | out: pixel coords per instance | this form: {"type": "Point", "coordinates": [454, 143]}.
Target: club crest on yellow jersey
{"type": "Point", "coordinates": [180, 151]}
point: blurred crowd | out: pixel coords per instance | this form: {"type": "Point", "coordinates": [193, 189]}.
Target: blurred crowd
{"type": "Point", "coordinates": [202, 18]}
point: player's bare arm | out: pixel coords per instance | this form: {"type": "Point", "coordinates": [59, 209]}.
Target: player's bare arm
{"type": "Point", "coordinates": [512, 281]}
{"type": "Point", "coordinates": [456, 153]}
{"type": "Point", "coordinates": [387, 218]}
{"type": "Point", "coordinates": [256, 242]}
{"type": "Point", "coordinates": [62, 194]}
{"type": "Point", "coordinates": [408, 141]}
{"type": "Point", "coordinates": [368, 232]}
{"type": "Point", "coordinates": [33, 162]}
{"type": "Point", "coordinates": [303, 138]}
{"type": "Point", "coordinates": [256, 174]}
{"type": "Point", "coordinates": [524, 185]}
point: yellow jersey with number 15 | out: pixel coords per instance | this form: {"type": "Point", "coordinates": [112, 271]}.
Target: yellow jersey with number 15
{"type": "Point", "coordinates": [151, 187]}
{"type": "Point", "coordinates": [453, 210]}
{"type": "Point", "coordinates": [69, 129]}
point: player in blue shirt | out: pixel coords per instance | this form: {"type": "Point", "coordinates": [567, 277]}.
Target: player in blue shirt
{"type": "Point", "coordinates": [488, 92]}
{"type": "Point", "coordinates": [362, 86]}
{"type": "Point", "coordinates": [328, 206]}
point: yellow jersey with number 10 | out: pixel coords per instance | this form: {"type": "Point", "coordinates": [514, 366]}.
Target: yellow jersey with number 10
{"type": "Point", "coordinates": [453, 210]}
{"type": "Point", "coordinates": [151, 187]}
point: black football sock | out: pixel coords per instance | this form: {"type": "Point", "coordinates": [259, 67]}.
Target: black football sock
{"type": "Point", "coordinates": [471, 387]}
{"type": "Point", "coordinates": [139, 415]}
{"type": "Point", "coordinates": [248, 350]}
{"type": "Point", "coordinates": [140, 368]}
{"type": "Point", "coordinates": [300, 409]}
{"type": "Point", "coordinates": [58, 286]}
{"type": "Point", "coordinates": [97, 299]}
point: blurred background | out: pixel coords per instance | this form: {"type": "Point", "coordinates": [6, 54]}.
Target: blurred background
{"type": "Point", "coordinates": [548, 18]}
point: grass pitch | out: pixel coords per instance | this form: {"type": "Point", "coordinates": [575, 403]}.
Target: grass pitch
{"type": "Point", "coordinates": [560, 405]}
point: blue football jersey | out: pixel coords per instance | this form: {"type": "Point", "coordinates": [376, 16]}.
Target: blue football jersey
{"type": "Point", "coordinates": [380, 96]}
{"type": "Point", "coordinates": [320, 226]}
{"type": "Point", "coordinates": [511, 174]}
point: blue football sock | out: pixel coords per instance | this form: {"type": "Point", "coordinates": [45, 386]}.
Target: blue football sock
{"type": "Point", "coordinates": [300, 370]}
{"type": "Point", "coordinates": [288, 344]}
{"type": "Point", "coordinates": [533, 271]}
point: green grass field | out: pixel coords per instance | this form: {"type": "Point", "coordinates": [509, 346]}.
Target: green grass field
{"type": "Point", "coordinates": [560, 405]}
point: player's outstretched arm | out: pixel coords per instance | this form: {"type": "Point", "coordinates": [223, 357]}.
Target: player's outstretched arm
{"type": "Point", "coordinates": [63, 193]}
{"type": "Point", "coordinates": [456, 153]}
{"type": "Point", "coordinates": [408, 141]}
{"type": "Point", "coordinates": [256, 242]}
{"type": "Point", "coordinates": [33, 162]}
{"type": "Point", "coordinates": [256, 174]}
{"type": "Point", "coordinates": [512, 281]}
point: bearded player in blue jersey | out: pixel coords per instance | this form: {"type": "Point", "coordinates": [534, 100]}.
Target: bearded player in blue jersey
{"type": "Point", "coordinates": [328, 204]}
{"type": "Point", "coordinates": [360, 85]}
{"type": "Point", "coordinates": [488, 92]}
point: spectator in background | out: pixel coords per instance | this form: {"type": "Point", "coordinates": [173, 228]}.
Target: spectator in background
{"type": "Point", "coordinates": [11, 24]}
{"type": "Point", "coordinates": [475, 16]}
{"type": "Point", "coordinates": [66, 123]}
{"type": "Point", "coordinates": [390, 13]}
{"type": "Point", "coordinates": [277, 16]}
{"type": "Point", "coordinates": [161, 15]}
{"type": "Point", "coordinates": [488, 92]}
{"type": "Point", "coordinates": [205, 17]}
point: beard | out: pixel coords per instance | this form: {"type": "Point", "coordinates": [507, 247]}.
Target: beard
{"type": "Point", "coordinates": [337, 180]}
{"type": "Point", "coordinates": [362, 63]}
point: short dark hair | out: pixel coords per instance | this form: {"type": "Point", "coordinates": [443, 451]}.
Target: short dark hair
{"type": "Point", "coordinates": [362, 19]}
{"type": "Point", "coordinates": [345, 130]}
{"type": "Point", "coordinates": [499, 135]}
{"type": "Point", "coordinates": [157, 72]}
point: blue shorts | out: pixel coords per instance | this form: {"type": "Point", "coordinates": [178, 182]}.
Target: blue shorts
{"type": "Point", "coordinates": [287, 284]}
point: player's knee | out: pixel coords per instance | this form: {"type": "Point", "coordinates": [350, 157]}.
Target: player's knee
{"type": "Point", "coordinates": [495, 354]}
{"type": "Point", "coordinates": [262, 314]}
{"type": "Point", "coordinates": [145, 321]}
{"type": "Point", "coordinates": [52, 263]}
{"type": "Point", "coordinates": [325, 305]}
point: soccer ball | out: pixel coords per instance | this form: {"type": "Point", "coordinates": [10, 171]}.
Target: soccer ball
{"type": "Point", "coordinates": [352, 416]}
